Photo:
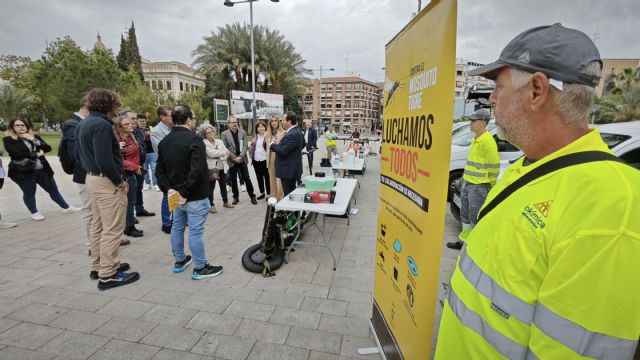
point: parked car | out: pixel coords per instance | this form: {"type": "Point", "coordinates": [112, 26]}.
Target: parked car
{"type": "Point", "coordinates": [622, 138]}
{"type": "Point", "coordinates": [458, 127]}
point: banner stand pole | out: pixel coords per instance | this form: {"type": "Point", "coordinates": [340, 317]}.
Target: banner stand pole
{"type": "Point", "coordinates": [373, 350]}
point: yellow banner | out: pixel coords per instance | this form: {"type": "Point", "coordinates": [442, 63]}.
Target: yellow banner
{"type": "Point", "coordinates": [418, 112]}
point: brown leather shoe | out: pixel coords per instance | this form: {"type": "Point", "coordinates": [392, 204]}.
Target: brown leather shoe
{"type": "Point", "coordinates": [124, 242]}
{"type": "Point", "coordinates": [228, 205]}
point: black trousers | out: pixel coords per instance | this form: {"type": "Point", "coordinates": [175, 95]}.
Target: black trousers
{"type": "Point", "coordinates": [223, 188]}
{"type": "Point", "coordinates": [310, 158]}
{"type": "Point", "coordinates": [288, 185]}
{"type": "Point", "coordinates": [139, 199]}
{"type": "Point", "coordinates": [243, 171]}
{"type": "Point", "coordinates": [262, 173]}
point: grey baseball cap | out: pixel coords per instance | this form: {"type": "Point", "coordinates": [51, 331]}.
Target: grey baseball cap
{"type": "Point", "coordinates": [481, 114]}
{"type": "Point", "coordinates": [556, 51]}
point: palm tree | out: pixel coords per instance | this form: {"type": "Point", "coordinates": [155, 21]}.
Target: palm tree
{"type": "Point", "coordinates": [13, 102]}
{"type": "Point", "coordinates": [225, 57]}
{"type": "Point", "coordinates": [628, 103]}
{"type": "Point", "coordinates": [616, 83]}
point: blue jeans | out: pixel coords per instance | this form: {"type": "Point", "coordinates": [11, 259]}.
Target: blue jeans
{"type": "Point", "coordinates": [164, 211]}
{"type": "Point", "coordinates": [194, 213]}
{"type": "Point", "coordinates": [150, 173]}
{"type": "Point", "coordinates": [46, 182]}
{"type": "Point", "coordinates": [131, 198]}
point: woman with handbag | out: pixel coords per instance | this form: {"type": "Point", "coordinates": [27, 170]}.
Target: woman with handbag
{"type": "Point", "coordinates": [216, 157]}
{"type": "Point", "coordinates": [29, 167]}
{"type": "Point", "coordinates": [130, 151]}
{"type": "Point", "coordinates": [275, 131]}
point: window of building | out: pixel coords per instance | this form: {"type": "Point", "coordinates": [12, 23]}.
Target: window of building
{"type": "Point", "coordinates": [459, 72]}
{"type": "Point", "coordinates": [339, 86]}
{"type": "Point", "coordinates": [348, 86]}
{"type": "Point", "coordinates": [338, 113]}
{"type": "Point", "coordinates": [356, 104]}
{"type": "Point", "coordinates": [193, 88]}
{"type": "Point", "coordinates": [181, 86]}
{"type": "Point", "coordinates": [169, 85]}
{"type": "Point", "coordinates": [358, 86]}
{"type": "Point", "coordinates": [339, 96]}
{"type": "Point", "coordinates": [153, 84]}
{"type": "Point", "coordinates": [338, 105]}
{"type": "Point", "coordinates": [148, 83]}
{"type": "Point", "coordinates": [160, 85]}
{"type": "Point", "coordinates": [347, 104]}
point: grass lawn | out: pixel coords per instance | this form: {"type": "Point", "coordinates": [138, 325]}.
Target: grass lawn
{"type": "Point", "coordinates": [53, 139]}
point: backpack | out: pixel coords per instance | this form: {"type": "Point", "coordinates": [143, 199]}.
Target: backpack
{"type": "Point", "coordinates": [66, 158]}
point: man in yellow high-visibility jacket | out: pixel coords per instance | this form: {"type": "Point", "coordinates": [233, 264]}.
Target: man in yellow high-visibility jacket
{"type": "Point", "coordinates": [480, 174]}
{"type": "Point", "coordinates": [551, 271]}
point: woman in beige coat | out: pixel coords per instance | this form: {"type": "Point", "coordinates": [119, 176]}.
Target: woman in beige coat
{"type": "Point", "coordinates": [216, 156]}
{"type": "Point", "coordinates": [274, 130]}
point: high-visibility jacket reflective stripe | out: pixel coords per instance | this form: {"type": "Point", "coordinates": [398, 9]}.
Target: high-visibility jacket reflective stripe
{"type": "Point", "coordinates": [472, 320]}
{"type": "Point", "coordinates": [483, 162]}
{"type": "Point", "coordinates": [571, 335]}
{"type": "Point", "coordinates": [506, 302]}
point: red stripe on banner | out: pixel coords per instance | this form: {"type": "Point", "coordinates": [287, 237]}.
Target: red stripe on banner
{"type": "Point", "coordinates": [384, 158]}
{"type": "Point", "coordinates": [424, 173]}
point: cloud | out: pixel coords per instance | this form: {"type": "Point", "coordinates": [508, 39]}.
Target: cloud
{"type": "Point", "coordinates": [343, 34]}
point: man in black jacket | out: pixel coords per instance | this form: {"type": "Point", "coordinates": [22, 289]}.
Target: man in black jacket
{"type": "Point", "coordinates": [289, 150]}
{"type": "Point", "coordinates": [182, 169]}
{"type": "Point", "coordinates": [99, 153]}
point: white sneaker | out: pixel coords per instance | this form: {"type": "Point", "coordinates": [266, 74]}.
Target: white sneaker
{"type": "Point", "coordinates": [156, 188]}
{"type": "Point", "coordinates": [37, 216]}
{"type": "Point", "coordinates": [71, 209]}
{"type": "Point", "coordinates": [145, 187]}
{"type": "Point", "coordinates": [6, 224]}
{"type": "Point", "coordinates": [243, 188]}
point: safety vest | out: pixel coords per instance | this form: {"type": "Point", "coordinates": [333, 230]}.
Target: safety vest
{"type": "Point", "coordinates": [330, 139]}
{"type": "Point", "coordinates": [483, 162]}
{"type": "Point", "coordinates": [553, 272]}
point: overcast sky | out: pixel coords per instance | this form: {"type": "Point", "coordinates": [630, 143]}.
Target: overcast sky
{"type": "Point", "coordinates": [348, 35]}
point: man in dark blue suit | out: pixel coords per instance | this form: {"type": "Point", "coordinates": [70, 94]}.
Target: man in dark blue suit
{"type": "Point", "coordinates": [310, 140]}
{"type": "Point", "coordinates": [289, 150]}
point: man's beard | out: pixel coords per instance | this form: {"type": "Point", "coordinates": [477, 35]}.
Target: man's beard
{"type": "Point", "coordinates": [514, 126]}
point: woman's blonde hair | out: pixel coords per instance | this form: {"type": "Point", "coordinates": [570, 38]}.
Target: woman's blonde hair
{"type": "Point", "coordinates": [117, 127]}
{"type": "Point", "coordinates": [269, 131]}
{"type": "Point", "coordinates": [12, 133]}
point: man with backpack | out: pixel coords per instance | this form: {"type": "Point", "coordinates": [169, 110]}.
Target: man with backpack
{"type": "Point", "coordinates": [71, 165]}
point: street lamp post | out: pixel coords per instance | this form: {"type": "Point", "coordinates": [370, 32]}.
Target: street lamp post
{"type": "Point", "coordinates": [253, 56]}
{"type": "Point", "coordinates": [320, 93]}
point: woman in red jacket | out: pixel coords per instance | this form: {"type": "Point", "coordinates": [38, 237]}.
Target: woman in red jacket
{"type": "Point", "coordinates": [129, 148]}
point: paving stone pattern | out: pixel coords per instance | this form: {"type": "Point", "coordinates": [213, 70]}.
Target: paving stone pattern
{"type": "Point", "coordinates": [50, 309]}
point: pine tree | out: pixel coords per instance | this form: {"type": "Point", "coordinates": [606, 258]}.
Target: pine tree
{"type": "Point", "coordinates": [122, 58]}
{"type": "Point", "coordinates": [133, 51]}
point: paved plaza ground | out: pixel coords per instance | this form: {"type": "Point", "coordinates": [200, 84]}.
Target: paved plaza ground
{"type": "Point", "coordinates": [50, 309]}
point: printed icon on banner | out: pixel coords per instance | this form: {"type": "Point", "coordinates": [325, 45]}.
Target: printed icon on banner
{"type": "Point", "coordinates": [410, 295]}
{"type": "Point", "coordinates": [397, 246]}
{"type": "Point", "coordinates": [412, 266]}
{"type": "Point", "coordinates": [383, 229]}
{"type": "Point", "coordinates": [381, 254]}
{"type": "Point", "coordinates": [395, 273]}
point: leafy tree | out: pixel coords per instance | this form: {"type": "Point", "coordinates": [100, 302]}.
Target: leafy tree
{"type": "Point", "coordinates": [194, 100]}
{"type": "Point", "coordinates": [16, 70]}
{"type": "Point", "coordinates": [225, 59]}
{"type": "Point", "coordinates": [135, 95]}
{"type": "Point", "coordinates": [13, 102]}
{"type": "Point", "coordinates": [629, 103]}
{"type": "Point", "coordinates": [65, 73]}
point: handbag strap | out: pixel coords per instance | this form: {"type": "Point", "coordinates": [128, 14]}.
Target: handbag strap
{"type": "Point", "coordinates": [547, 168]}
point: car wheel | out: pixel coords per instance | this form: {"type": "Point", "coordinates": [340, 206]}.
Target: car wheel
{"type": "Point", "coordinates": [453, 177]}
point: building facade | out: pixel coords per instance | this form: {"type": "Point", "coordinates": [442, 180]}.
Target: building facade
{"type": "Point", "coordinates": [345, 103]}
{"type": "Point", "coordinates": [464, 82]}
{"type": "Point", "coordinates": [171, 78]}
{"type": "Point", "coordinates": [614, 66]}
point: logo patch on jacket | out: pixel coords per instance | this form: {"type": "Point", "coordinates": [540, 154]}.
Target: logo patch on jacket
{"type": "Point", "coordinates": [536, 213]}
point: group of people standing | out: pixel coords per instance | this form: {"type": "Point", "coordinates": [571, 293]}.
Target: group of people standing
{"type": "Point", "coordinates": [110, 154]}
